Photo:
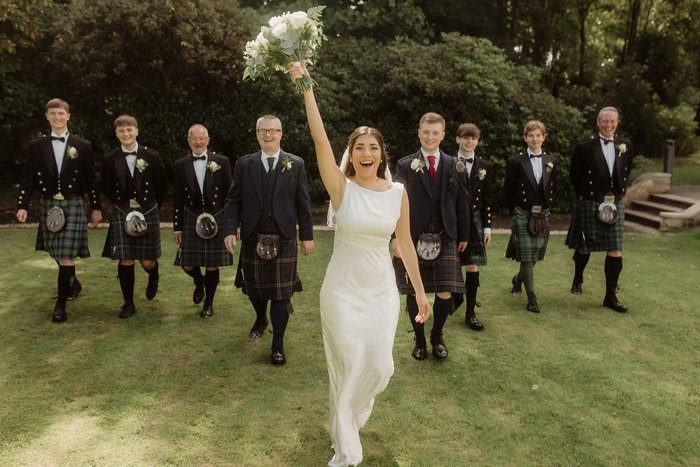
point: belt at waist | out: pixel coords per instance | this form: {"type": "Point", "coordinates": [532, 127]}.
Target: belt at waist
{"type": "Point", "coordinates": [50, 198]}
{"type": "Point", "coordinates": [600, 197]}
{"type": "Point", "coordinates": [126, 208]}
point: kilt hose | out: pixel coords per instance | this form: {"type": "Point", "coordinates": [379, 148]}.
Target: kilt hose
{"type": "Point", "coordinates": [275, 279]}
{"type": "Point", "coordinates": [469, 256]}
{"type": "Point", "coordinates": [120, 245]}
{"type": "Point", "coordinates": [587, 233]}
{"type": "Point", "coordinates": [444, 274]}
{"type": "Point", "coordinates": [523, 246]}
{"type": "Point", "coordinates": [71, 241]}
{"type": "Point", "coordinates": [196, 251]}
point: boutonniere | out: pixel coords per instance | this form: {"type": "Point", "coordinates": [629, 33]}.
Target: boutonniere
{"type": "Point", "coordinates": [141, 164]}
{"type": "Point", "coordinates": [622, 148]}
{"type": "Point", "coordinates": [417, 165]}
{"type": "Point", "coordinates": [482, 174]}
{"type": "Point", "coordinates": [287, 163]}
{"type": "Point", "coordinates": [213, 166]}
{"type": "Point", "coordinates": [550, 166]}
{"type": "Point", "coordinates": [71, 152]}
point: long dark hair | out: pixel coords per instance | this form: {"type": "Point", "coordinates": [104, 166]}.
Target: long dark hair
{"type": "Point", "coordinates": [366, 130]}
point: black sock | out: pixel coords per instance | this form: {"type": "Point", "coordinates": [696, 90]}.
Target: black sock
{"type": "Point", "coordinates": [418, 328]}
{"type": "Point", "coordinates": [580, 262]}
{"type": "Point", "coordinates": [126, 281]}
{"type": "Point", "coordinates": [527, 275]}
{"type": "Point", "coordinates": [472, 283]}
{"type": "Point", "coordinates": [279, 316]}
{"type": "Point", "coordinates": [195, 274]}
{"type": "Point", "coordinates": [64, 275]}
{"type": "Point", "coordinates": [613, 266]}
{"type": "Point", "coordinates": [260, 307]}
{"type": "Point", "coordinates": [211, 280]}
{"type": "Point", "coordinates": [152, 273]}
{"type": "Point", "coordinates": [441, 309]}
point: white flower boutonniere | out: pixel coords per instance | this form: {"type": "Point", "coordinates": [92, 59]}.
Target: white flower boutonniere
{"type": "Point", "coordinates": [550, 166]}
{"type": "Point", "coordinates": [71, 152]}
{"type": "Point", "coordinates": [482, 174]}
{"type": "Point", "coordinates": [622, 148]}
{"type": "Point", "coordinates": [141, 164]}
{"type": "Point", "coordinates": [213, 166]}
{"type": "Point", "coordinates": [417, 165]}
{"type": "Point", "coordinates": [287, 163]}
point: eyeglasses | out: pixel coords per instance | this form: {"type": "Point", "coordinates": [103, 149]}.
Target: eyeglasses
{"type": "Point", "coordinates": [271, 131]}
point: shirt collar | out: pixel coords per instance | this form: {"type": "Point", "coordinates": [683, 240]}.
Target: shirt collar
{"type": "Point", "coordinates": [472, 155]}
{"type": "Point", "coordinates": [530, 153]}
{"type": "Point", "coordinates": [205, 154]}
{"type": "Point", "coordinates": [136, 148]}
{"type": "Point", "coordinates": [64, 134]}
{"type": "Point", "coordinates": [425, 154]}
{"type": "Point", "coordinates": [264, 155]}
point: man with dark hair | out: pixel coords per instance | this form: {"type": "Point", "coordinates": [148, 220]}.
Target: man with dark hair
{"type": "Point", "coordinates": [268, 196]}
{"type": "Point", "coordinates": [134, 179]}
{"type": "Point", "coordinates": [61, 167]}
{"type": "Point", "coordinates": [600, 167]}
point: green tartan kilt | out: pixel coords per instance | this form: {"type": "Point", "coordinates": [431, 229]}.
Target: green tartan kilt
{"type": "Point", "coordinates": [71, 241]}
{"type": "Point", "coordinates": [120, 245]}
{"type": "Point", "coordinates": [468, 256]}
{"type": "Point", "coordinates": [523, 246]}
{"type": "Point", "coordinates": [196, 251]}
{"type": "Point", "coordinates": [275, 279]}
{"type": "Point", "coordinates": [587, 233]}
{"type": "Point", "coordinates": [444, 274]}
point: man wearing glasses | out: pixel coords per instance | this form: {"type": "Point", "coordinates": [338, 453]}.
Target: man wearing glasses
{"type": "Point", "coordinates": [267, 199]}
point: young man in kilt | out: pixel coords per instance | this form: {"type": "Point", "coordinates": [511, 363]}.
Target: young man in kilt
{"type": "Point", "coordinates": [439, 208]}
{"type": "Point", "coordinates": [600, 167]}
{"type": "Point", "coordinates": [476, 174]}
{"type": "Point", "coordinates": [61, 168]}
{"type": "Point", "coordinates": [134, 179]}
{"type": "Point", "coordinates": [202, 180]}
{"type": "Point", "coordinates": [528, 191]}
{"type": "Point", "coordinates": [269, 195]}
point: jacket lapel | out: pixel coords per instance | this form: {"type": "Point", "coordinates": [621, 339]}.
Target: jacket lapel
{"type": "Point", "coordinates": [122, 170]}
{"type": "Point", "coordinates": [424, 176]}
{"type": "Point", "coordinates": [280, 177]}
{"type": "Point", "coordinates": [49, 159]}
{"type": "Point", "coordinates": [545, 173]}
{"type": "Point", "coordinates": [443, 172]}
{"type": "Point", "coordinates": [191, 176]}
{"type": "Point", "coordinates": [618, 161]}
{"type": "Point", "coordinates": [527, 167]}
{"type": "Point", "coordinates": [599, 159]}
{"type": "Point", "coordinates": [253, 170]}
{"type": "Point", "coordinates": [208, 176]}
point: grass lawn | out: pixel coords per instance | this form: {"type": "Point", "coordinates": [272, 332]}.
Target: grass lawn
{"type": "Point", "coordinates": [576, 384]}
{"type": "Point", "coordinates": [686, 170]}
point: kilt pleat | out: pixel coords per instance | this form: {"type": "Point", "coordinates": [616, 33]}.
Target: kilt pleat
{"type": "Point", "coordinates": [120, 245]}
{"type": "Point", "coordinates": [478, 257]}
{"type": "Point", "coordinates": [275, 279]}
{"type": "Point", "coordinates": [523, 246]}
{"type": "Point", "coordinates": [196, 251]}
{"type": "Point", "coordinates": [71, 241]}
{"type": "Point", "coordinates": [588, 233]}
{"type": "Point", "coordinates": [444, 274]}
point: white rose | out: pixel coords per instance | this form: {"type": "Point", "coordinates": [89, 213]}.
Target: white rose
{"type": "Point", "coordinates": [261, 41]}
{"type": "Point", "coordinates": [279, 30]}
{"type": "Point", "coordinates": [274, 21]}
{"type": "Point", "coordinates": [298, 19]}
{"type": "Point", "coordinates": [622, 148]}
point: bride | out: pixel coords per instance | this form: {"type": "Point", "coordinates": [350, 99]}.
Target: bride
{"type": "Point", "coordinates": [359, 298]}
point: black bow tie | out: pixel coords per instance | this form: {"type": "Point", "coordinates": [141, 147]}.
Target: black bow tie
{"type": "Point", "coordinates": [198, 158]}
{"type": "Point", "coordinates": [470, 160]}
{"type": "Point", "coordinates": [606, 141]}
{"type": "Point", "coordinates": [535, 155]}
{"type": "Point", "coordinates": [59, 138]}
{"type": "Point", "coordinates": [132, 153]}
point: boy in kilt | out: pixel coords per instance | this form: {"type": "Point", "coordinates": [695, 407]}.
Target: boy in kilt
{"type": "Point", "coordinates": [528, 191]}
{"type": "Point", "coordinates": [439, 208]}
{"type": "Point", "coordinates": [268, 196]}
{"type": "Point", "coordinates": [61, 168]}
{"type": "Point", "coordinates": [202, 180]}
{"type": "Point", "coordinates": [476, 174]}
{"type": "Point", "coordinates": [600, 167]}
{"type": "Point", "coordinates": [134, 179]}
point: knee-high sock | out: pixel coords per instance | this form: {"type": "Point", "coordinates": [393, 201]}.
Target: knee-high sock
{"type": "Point", "coordinates": [613, 266]}
{"type": "Point", "coordinates": [441, 309]}
{"type": "Point", "coordinates": [527, 276]}
{"type": "Point", "coordinates": [580, 262]}
{"type": "Point", "coordinates": [126, 282]}
{"type": "Point", "coordinates": [260, 307]}
{"type": "Point", "coordinates": [279, 315]}
{"type": "Point", "coordinates": [153, 272]}
{"type": "Point", "coordinates": [472, 283]}
{"type": "Point", "coordinates": [211, 280]}
{"type": "Point", "coordinates": [418, 328]}
{"type": "Point", "coordinates": [196, 274]}
{"type": "Point", "coordinates": [63, 284]}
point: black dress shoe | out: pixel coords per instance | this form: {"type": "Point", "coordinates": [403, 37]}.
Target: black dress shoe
{"type": "Point", "coordinates": [59, 314]}
{"type": "Point", "coordinates": [152, 288]}
{"type": "Point", "coordinates": [277, 357]}
{"type": "Point", "coordinates": [128, 309]}
{"type": "Point", "coordinates": [532, 303]}
{"type": "Point", "coordinates": [420, 352]}
{"type": "Point", "coordinates": [474, 323]}
{"type": "Point", "coordinates": [198, 294]}
{"type": "Point", "coordinates": [613, 304]}
{"type": "Point", "coordinates": [256, 331]}
{"type": "Point", "coordinates": [439, 348]}
{"type": "Point", "coordinates": [75, 288]}
{"type": "Point", "coordinates": [207, 311]}
{"type": "Point", "coordinates": [517, 288]}
{"type": "Point", "coordinates": [576, 288]}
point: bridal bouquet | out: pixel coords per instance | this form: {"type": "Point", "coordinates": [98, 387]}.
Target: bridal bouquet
{"type": "Point", "coordinates": [291, 37]}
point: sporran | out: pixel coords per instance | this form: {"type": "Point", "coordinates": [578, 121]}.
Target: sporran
{"type": "Point", "coordinates": [135, 224]}
{"type": "Point", "coordinates": [429, 246]}
{"type": "Point", "coordinates": [268, 246]}
{"type": "Point", "coordinates": [55, 219]}
{"type": "Point", "coordinates": [206, 226]}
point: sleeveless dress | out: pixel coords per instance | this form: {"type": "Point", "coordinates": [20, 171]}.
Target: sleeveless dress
{"type": "Point", "coordinates": [359, 312]}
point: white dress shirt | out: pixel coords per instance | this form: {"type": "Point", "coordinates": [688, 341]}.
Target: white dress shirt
{"type": "Point", "coordinates": [536, 163]}
{"type": "Point", "coordinates": [59, 148]}
{"type": "Point", "coordinates": [264, 156]}
{"type": "Point", "coordinates": [427, 162]}
{"type": "Point", "coordinates": [131, 158]}
{"type": "Point", "coordinates": [468, 164]}
{"type": "Point", "coordinates": [608, 152]}
{"type": "Point", "coordinates": [200, 169]}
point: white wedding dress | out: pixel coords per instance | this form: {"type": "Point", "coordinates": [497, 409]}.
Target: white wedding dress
{"type": "Point", "coordinates": [359, 312]}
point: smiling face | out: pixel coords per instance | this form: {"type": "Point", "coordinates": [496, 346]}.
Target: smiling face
{"type": "Point", "coordinates": [366, 156]}
{"type": "Point", "coordinates": [126, 134]}
{"type": "Point", "coordinates": [607, 123]}
{"type": "Point", "coordinates": [431, 135]}
{"type": "Point", "coordinates": [269, 143]}
{"type": "Point", "coordinates": [534, 139]}
{"type": "Point", "coordinates": [198, 139]}
{"type": "Point", "coordinates": [467, 144]}
{"type": "Point", "coordinates": [58, 119]}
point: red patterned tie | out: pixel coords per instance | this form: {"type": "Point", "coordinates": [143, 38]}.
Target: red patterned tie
{"type": "Point", "coordinates": [431, 169]}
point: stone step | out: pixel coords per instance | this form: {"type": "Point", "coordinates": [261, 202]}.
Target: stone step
{"type": "Point", "coordinates": [633, 227]}
{"type": "Point", "coordinates": [674, 200]}
{"type": "Point", "coordinates": [655, 208]}
{"type": "Point", "coordinates": [644, 218]}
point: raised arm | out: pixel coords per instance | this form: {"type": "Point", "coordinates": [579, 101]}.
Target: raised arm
{"type": "Point", "coordinates": [333, 178]}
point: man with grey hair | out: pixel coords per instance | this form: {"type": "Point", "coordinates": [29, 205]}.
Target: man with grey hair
{"type": "Point", "coordinates": [599, 171]}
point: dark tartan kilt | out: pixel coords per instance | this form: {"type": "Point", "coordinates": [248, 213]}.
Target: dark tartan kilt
{"type": "Point", "coordinates": [444, 274]}
{"type": "Point", "coordinates": [523, 246]}
{"type": "Point", "coordinates": [120, 245]}
{"type": "Point", "coordinates": [478, 257]}
{"type": "Point", "coordinates": [587, 233]}
{"type": "Point", "coordinates": [196, 251]}
{"type": "Point", "coordinates": [71, 241]}
{"type": "Point", "coordinates": [275, 279]}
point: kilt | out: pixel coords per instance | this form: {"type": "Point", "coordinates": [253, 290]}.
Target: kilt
{"type": "Point", "coordinates": [587, 233]}
{"type": "Point", "coordinates": [523, 246]}
{"type": "Point", "coordinates": [275, 279]}
{"type": "Point", "coordinates": [444, 274]}
{"type": "Point", "coordinates": [196, 251]}
{"type": "Point", "coordinates": [71, 241]}
{"type": "Point", "coordinates": [120, 245]}
{"type": "Point", "coordinates": [470, 256]}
